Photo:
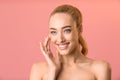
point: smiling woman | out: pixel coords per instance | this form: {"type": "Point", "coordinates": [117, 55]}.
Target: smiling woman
{"type": "Point", "coordinates": [65, 26]}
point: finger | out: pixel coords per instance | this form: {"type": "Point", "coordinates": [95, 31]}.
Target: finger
{"type": "Point", "coordinates": [42, 49]}
{"type": "Point", "coordinates": [45, 51]}
{"type": "Point", "coordinates": [46, 43]}
{"type": "Point", "coordinates": [47, 57]}
{"type": "Point", "coordinates": [59, 57]}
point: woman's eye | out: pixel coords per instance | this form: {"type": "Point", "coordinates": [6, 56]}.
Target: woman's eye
{"type": "Point", "coordinates": [67, 31]}
{"type": "Point", "coordinates": [53, 32]}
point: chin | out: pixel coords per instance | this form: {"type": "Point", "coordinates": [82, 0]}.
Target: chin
{"type": "Point", "coordinates": [63, 53]}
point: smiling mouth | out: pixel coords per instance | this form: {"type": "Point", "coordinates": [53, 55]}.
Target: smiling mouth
{"type": "Point", "coordinates": [63, 46]}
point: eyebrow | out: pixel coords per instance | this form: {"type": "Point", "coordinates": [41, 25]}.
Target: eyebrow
{"type": "Point", "coordinates": [62, 27]}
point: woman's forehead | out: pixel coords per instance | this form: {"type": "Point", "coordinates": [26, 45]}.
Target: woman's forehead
{"type": "Point", "coordinates": [61, 20]}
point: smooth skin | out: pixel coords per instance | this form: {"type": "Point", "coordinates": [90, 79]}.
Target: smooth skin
{"type": "Point", "coordinates": [70, 63]}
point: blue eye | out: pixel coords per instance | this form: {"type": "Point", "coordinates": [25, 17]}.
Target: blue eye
{"type": "Point", "coordinates": [53, 32]}
{"type": "Point", "coordinates": [67, 31]}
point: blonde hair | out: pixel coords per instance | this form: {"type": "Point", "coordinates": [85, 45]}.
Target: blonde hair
{"type": "Point", "coordinates": [77, 16]}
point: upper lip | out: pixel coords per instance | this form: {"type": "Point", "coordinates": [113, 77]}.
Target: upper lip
{"type": "Point", "coordinates": [63, 43]}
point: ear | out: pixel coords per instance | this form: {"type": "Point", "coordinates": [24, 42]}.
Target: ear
{"type": "Point", "coordinates": [80, 28]}
{"type": "Point", "coordinates": [79, 34]}
{"type": "Point", "coordinates": [80, 39]}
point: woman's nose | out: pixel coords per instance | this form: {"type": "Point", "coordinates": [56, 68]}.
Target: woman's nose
{"type": "Point", "coordinates": [61, 38]}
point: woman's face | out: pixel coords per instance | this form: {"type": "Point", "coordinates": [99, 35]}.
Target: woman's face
{"type": "Point", "coordinates": [63, 33]}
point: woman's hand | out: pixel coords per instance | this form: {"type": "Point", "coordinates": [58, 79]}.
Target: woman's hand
{"type": "Point", "coordinates": [54, 64]}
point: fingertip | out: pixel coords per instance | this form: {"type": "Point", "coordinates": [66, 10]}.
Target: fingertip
{"type": "Point", "coordinates": [49, 36]}
{"type": "Point", "coordinates": [46, 38]}
{"type": "Point", "coordinates": [40, 43]}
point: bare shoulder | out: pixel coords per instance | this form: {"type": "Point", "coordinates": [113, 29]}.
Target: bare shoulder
{"type": "Point", "coordinates": [101, 64]}
{"type": "Point", "coordinates": [102, 70]}
{"type": "Point", "coordinates": [38, 70]}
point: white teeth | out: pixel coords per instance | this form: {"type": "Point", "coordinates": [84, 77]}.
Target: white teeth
{"type": "Point", "coordinates": [63, 46]}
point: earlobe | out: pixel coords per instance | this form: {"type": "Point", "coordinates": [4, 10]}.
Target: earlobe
{"type": "Point", "coordinates": [83, 44]}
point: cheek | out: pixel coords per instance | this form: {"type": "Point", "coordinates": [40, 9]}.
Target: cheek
{"type": "Point", "coordinates": [74, 38]}
{"type": "Point", "coordinates": [71, 37]}
{"type": "Point", "coordinates": [53, 39]}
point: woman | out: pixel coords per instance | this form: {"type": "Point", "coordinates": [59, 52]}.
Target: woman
{"type": "Point", "coordinates": [71, 63]}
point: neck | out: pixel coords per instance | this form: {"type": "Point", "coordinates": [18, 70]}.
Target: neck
{"type": "Point", "coordinates": [73, 57]}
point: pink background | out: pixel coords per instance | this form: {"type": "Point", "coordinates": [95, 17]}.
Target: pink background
{"type": "Point", "coordinates": [23, 24]}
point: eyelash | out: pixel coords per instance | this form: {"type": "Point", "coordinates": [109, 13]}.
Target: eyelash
{"type": "Point", "coordinates": [66, 31]}
{"type": "Point", "coordinates": [53, 32]}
